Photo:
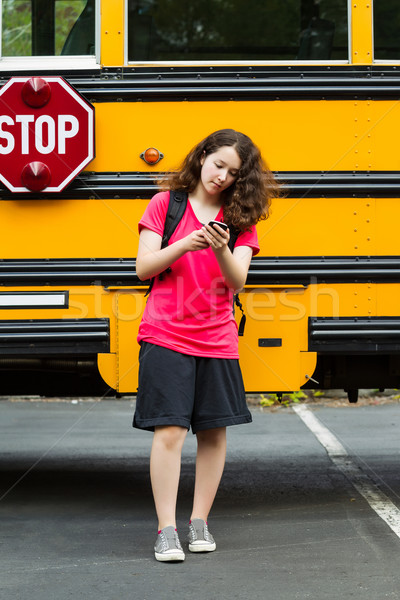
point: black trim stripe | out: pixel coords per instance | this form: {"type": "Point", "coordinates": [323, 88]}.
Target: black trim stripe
{"type": "Point", "coordinates": [287, 270]}
{"type": "Point", "coordinates": [54, 336]}
{"type": "Point", "coordinates": [306, 270]}
{"type": "Point", "coordinates": [354, 335]}
{"type": "Point", "coordinates": [296, 184]}
{"type": "Point", "coordinates": [341, 184]}
{"type": "Point", "coordinates": [106, 272]}
{"type": "Point", "coordinates": [215, 83]}
{"type": "Point", "coordinates": [281, 82]}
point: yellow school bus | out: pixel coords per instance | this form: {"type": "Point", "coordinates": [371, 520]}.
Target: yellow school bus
{"type": "Point", "coordinates": [315, 83]}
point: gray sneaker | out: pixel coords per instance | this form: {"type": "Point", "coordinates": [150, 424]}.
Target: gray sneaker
{"type": "Point", "coordinates": [200, 539]}
{"type": "Point", "coordinates": [168, 546]}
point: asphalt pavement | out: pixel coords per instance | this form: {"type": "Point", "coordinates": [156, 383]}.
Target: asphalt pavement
{"type": "Point", "coordinates": [77, 517]}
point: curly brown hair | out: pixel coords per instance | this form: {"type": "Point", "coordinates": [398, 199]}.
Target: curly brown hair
{"type": "Point", "coordinates": [248, 199]}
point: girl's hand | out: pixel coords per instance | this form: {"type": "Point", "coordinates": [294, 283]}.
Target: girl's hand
{"type": "Point", "coordinates": [216, 237]}
{"type": "Point", "coordinates": [196, 241]}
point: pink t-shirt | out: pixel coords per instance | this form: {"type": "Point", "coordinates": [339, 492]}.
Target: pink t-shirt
{"type": "Point", "coordinates": [190, 309]}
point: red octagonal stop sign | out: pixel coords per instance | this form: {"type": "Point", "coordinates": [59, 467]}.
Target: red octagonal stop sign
{"type": "Point", "coordinates": [46, 134]}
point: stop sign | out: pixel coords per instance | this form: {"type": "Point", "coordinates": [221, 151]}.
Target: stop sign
{"type": "Point", "coordinates": [46, 134]}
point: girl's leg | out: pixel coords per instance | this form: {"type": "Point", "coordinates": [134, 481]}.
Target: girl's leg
{"type": "Point", "coordinates": [211, 452]}
{"type": "Point", "coordinates": [165, 468]}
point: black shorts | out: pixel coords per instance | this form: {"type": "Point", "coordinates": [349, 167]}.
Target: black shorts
{"type": "Point", "coordinates": [188, 391]}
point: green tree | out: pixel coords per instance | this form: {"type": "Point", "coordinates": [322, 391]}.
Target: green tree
{"type": "Point", "coordinates": [16, 28]}
{"type": "Point", "coordinates": [17, 24]}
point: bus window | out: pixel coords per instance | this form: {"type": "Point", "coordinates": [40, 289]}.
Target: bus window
{"type": "Point", "coordinates": [208, 30]}
{"type": "Point", "coordinates": [386, 30]}
{"type": "Point", "coordinates": [48, 27]}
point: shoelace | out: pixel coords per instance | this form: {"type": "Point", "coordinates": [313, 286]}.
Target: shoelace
{"type": "Point", "coordinates": [164, 541]}
{"type": "Point", "coordinates": [193, 533]}
{"type": "Point", "coordinates": [206, 533]}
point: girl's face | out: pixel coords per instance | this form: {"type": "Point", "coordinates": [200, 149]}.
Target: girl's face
{"type": "Point", "coordinates": [220, 169]}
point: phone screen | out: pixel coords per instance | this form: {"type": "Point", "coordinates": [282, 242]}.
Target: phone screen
{"type": "Point", "coordinates": [223, 226]}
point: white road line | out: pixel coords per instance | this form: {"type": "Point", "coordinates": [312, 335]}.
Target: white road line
{"type": "Point", "coordinates": [377, 500]}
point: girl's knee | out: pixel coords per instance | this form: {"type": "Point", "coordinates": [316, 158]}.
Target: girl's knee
{"type": "Point", "coordinates": [215, 436]}
{"type": "Point", "coordinates": [170, 436]}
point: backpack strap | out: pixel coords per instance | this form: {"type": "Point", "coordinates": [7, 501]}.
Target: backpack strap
{"type": "Point", "coordinates": [242, 323]}
{"type": "Point", "coordinates": [176, 207]}
{"type": "Point", "coordinates": [234, 234]}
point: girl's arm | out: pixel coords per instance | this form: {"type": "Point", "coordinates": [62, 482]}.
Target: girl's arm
{"type": "Point", "coordinates": [234, 267]}
{"type": "Point", "coordinates": [152, 260]}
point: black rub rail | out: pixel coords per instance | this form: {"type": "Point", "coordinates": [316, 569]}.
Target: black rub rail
{"type": "Point", "coordinates": [320, 269]}
{"type": "Point", "coordinates": [256, 82]}
{"type": "Point", "coordinates": [54, 336]}
{"type": "Point", "coordinates": [263, 271]}
{"type": "Point", "coordinates": [241, 83]}
{"type": "Point", "coordinates": [357, 335]}
{"type": "Point", "coordinates": [295, 184]}
{"type": "Point", "coordinates": [106, 272]}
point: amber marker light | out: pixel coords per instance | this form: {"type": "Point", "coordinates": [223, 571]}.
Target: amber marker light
{"type": "Point", "coordinates": [151, 156]}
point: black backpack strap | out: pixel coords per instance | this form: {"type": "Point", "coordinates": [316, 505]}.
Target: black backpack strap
{"type": "Point", "coordinates": [176, 208]}
{"type": "Point", "coordinates": [243, 318]}
{"type": "Point", "coordinates": [234, 234]}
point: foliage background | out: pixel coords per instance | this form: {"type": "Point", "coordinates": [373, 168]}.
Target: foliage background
{"type": "Point", "coordinates": [17, 24]}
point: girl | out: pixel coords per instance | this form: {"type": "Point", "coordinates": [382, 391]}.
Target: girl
{"type": "Point", "coordinates": [189, 375]}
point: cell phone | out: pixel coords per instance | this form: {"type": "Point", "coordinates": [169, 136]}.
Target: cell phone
{"type": "Point", "coordinates": [223, 226]}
